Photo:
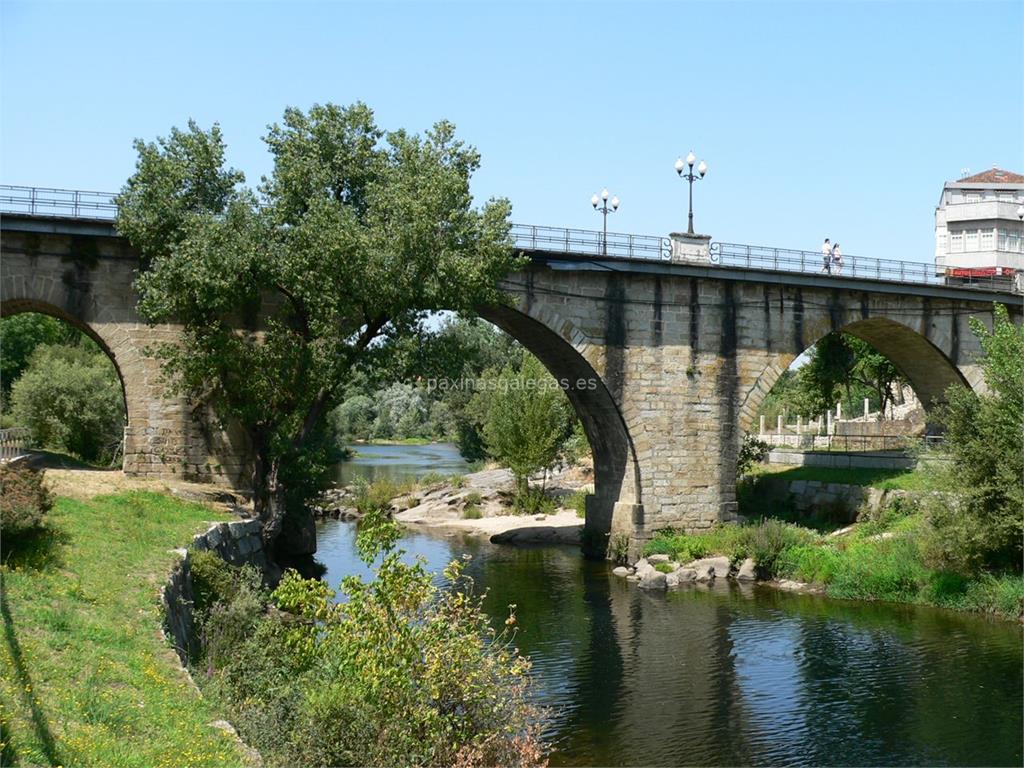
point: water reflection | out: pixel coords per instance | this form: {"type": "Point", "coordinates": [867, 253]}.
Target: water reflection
{"type": "Point", "coordinates": [735, 675]}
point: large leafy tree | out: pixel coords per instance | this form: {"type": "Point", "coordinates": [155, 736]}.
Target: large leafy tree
{"type": "Point", "coordinates": [980, 521]}
{"type": "Point", "coordinates": [284, 292]}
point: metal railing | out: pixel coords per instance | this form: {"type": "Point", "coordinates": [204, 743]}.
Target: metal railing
{"type": "Point", "coordinates": [587, 242]}
{"type": "Point", "coordinates": [44, 201]}
{"type": "Point", "coordinates": [860, 267]}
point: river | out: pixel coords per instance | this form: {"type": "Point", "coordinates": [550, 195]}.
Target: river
{"type": "Point", "coordinates": [737, 675]}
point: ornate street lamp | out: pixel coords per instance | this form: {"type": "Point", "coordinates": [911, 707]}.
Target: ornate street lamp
{"type": "Point", "coordinates": [1020, 212]}
{"type": "Point", "coordinates": [691, 177]}
{"type": "Point", "coordinates": [604, 209]}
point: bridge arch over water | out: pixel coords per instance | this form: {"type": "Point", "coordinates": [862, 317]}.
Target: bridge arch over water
{"type": "Point", "coordinates": [682, 353]}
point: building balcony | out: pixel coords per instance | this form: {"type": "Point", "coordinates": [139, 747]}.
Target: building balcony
{"type": "Point", "coordinates": [983, 211]}
{"type": "Point", "coordinates": [981, 259]}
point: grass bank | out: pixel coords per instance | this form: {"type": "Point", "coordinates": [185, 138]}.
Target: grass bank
{"type": "Point", "coordinates": [86, 677]}
{"type": "Point", "coordinates": [889, 479]}
{"type": "Point", "coordinates": [881, 559]}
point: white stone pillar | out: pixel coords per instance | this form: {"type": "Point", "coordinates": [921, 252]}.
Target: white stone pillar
{"type": "Point", "coordinates": [687, 247]}
{"type": "Point", "coordinates": [830, 428]}
{"type": "Point", "coordinates": [778, 425]}
{"type": "Point", "coordinates": [839, 410]}
{"type": "Point", "coordinates": [799, 425]}
{"type": "Point", "coordinates": [866, 410]}
{"type": "Point", "coordinates": [760, 429]}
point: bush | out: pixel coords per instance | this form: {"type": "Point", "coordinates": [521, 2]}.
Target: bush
{"type": "Point", "coordinates": [403, 672]}
{"type": "Point", "coordinates": [577, 502]}
{"type": "Point", "coordinates": [752, 453]}
{"type": "Point", "coordinates": [809, 562]}
{"type": "Point", "coordinates": [533, 501]}
{"type": "Point", "coordinates": [227, 602]}
{"type": "Point", "coordinates": [24, 501]}
{"type": "Point", "coordinates": [472, 512]}
{"type": "Point", "coordinates": [474, 497]}
{"type": "Point", "coordinates": [664, 567]}
{"type": "Point", "coordinates": [70, 399]}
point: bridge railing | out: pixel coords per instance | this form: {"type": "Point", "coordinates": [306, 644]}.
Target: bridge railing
{"type": "Point", "coordinates": [862, 267]}
{"type": "Point", "coordinates": [590, 242]}
{"type": "Point", "coordinates": [47, 201]}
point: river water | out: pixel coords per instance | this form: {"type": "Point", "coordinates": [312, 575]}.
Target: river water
{"type": "Point", "coordinates": [737, 675]}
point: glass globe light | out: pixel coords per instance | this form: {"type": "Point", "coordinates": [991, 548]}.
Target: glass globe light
{"type": "Point", "coordinates": [691, 159]}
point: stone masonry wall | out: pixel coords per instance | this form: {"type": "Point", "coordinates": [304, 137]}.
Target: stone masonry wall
{"type": "Point", "coordinates": [238, 543]}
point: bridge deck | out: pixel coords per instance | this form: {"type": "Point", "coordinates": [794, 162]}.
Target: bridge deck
{"type": "Point", "coordinates": [92, 213]}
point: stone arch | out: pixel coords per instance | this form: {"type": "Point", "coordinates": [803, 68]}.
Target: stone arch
{"type": "Point", "coordinates": [100, 334]}
{"type": "Point", "coordinates": [557, 344]}
{"type": "Point", "coordinates": [927, 369]}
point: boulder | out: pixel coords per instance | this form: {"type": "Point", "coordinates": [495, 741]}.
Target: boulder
{"type": "Point", "coordinates": [645, 569]}
{"type": "Point", "coordinates": [747, 571]}
{"type": "Point", "coordinates": [709, 568]}
{"type": "Point", "coordinates": [680, 576]}
{"type": "Point", "coordinates": [654, 580]}
{"type": "Point", "coordinates": [621, 571]}
{"type": "Point", "coordinates": [654, 559]}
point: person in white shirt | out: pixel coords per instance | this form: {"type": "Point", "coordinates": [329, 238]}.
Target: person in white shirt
{"type": "Point", "coordinates": [826, 256]}
{"type": "Point", "coordinates": [837, 260]}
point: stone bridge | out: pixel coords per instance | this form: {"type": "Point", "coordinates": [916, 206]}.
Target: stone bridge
{"type": "Point", "coordinates": [667, 359]}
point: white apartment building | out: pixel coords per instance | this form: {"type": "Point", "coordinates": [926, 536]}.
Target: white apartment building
{"type": "Point", "coordinates": [977, 224]}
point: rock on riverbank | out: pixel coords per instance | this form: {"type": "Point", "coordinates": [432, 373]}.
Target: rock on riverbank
{"type": "Point", "coordinates": [478, 504]}
{"type": "Point", "coordinates": [660, 572]}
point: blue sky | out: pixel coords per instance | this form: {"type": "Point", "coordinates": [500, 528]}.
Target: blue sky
{"type": "Point", "coordinates": [816, 119]}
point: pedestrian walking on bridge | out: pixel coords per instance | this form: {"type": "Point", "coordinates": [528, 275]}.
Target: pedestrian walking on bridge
{"type": "Point", "coordinates": [837, 260]}
{"type": "Point", "coordinates": [826, 256]}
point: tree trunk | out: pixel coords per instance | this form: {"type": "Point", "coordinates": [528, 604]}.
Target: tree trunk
{"type": "Point", "coordinates": [268, 495]}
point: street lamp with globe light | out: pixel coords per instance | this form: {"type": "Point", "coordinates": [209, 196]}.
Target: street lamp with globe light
{"type": "Point", "coordinates": [691, 177]}
{"type": "Point", "coordinates": [605, 208]}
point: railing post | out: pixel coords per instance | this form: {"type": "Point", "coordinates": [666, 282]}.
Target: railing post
{"type": "Point", "coordinates": [902, 278]}
{"type": "Point", "coordinates": [32, 200]}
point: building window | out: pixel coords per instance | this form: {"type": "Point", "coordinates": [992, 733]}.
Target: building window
{"type": "Point", "coordinates": [956, 242]}
{"type": "Point", "coordinates": [972, 196]}
{"type": "Point", "coordinates": [970, 239]}
{"type": "Point", "coordinates": [987, 239]}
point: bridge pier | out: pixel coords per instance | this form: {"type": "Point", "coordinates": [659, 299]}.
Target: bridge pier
{"type": "Point", "coordinates": [666, 363]}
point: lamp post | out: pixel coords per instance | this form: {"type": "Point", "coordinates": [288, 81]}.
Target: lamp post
{"type": "Point", "coordinates": [604, 207]}
{"type": "Point", "coordinates": [691, 177]}
{"type": "Point", "coordinates": [1020, 212]}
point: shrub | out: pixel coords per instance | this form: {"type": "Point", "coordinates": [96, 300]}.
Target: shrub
{"type": "Point", "coordinates": [533, 501]}
{"type": "Point", "coordinates": [768, 540]}
{"type": "Point", "coordinates": [474, 497]}
{"type": "Point", "coordinates": [24, 501]}
{"type": "Point", "coordinates": [577, 502]}
{"type": "Point", "coordinates": [70, 399]}
{"type": "Point", "coordinates": [472, 512]}
{"type": "Point", "coordinates": [752, 453]}
{"type": "Point", "coordinates": [664, 567]}
{"type": "Point", "coordinates": [809, 562]}
{"type": "Point", "coordinates": [404, 672]}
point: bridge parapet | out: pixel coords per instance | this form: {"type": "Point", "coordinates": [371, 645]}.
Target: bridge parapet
{"type": "Point", "coordinates": [82, 204]}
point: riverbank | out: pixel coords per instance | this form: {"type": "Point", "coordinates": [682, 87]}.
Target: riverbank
{"type": "Point", "coordinates": [87, 676]}
{"type": "Point", "coordinates": [882, 558]}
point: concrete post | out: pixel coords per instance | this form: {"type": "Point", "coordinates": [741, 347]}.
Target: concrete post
{"type": "Point", "coordinates": [799, 425]}
{"type": "Point", "coordinates": [760, 429]}
{"type": "Point", "coordinates": [839, 410]}
{"type": "Point", "coordinates": [778, 425]}
{"type": "Point", "coordinates": [866, 411]}
{"type": "Point", "coordinates": [830, 428]}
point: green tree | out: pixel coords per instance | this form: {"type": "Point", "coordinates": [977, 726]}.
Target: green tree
{"type": "Point", "coordinates": [528, 419]}
{"type": "Point", "coordinates": [282, 296]}
{"type": "Point", "coordinates": [979, 522]}
{"type": "Point", "coordinates": [70, 399]}
{"type": "Point", "coordinates": [19, 337]}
